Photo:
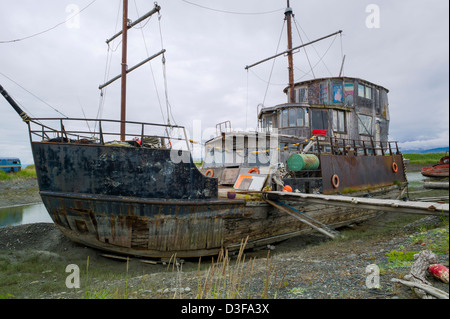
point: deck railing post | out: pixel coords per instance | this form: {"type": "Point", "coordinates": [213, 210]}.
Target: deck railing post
{"type": "Point", "coordinates": [100, 130]}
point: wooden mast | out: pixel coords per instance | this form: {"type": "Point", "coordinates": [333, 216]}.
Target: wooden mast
{"type": "Point", "coordinates": [123, 99]}
{"type": "Point", "coordinates": [288, 14]}
{"type": "Point", "coordinates": [126, 24]}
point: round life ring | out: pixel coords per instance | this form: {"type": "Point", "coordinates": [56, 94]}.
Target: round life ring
{"type": "Point", "coordinates": [253, 169]}
{"type": "Point", "coordinates": [395, 167]}
{"type": "Point", "coordinates": [335, 181]}
{"type": "Point", "coordinates": [209, 172]}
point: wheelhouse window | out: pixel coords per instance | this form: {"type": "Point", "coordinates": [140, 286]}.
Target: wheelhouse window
{"type": "Point", "coordinates": [339, 123]}
{"type": "Point", "coordinates": [269, 123]}
{"type": "Point", "coordinates": [294, 117]}
{"type": "Point", "coordinates": [361, 90]}
{"type": "Point", "coordinates": [319, 119]}
{"type": "Point", "coordinates": [364, 124]}
{"type": "Point", "coordinates": [284, 118]}
{"type": "Point", "coordinates": [364, 91]}
{"type": "Point", "coordinates": [301, 95]}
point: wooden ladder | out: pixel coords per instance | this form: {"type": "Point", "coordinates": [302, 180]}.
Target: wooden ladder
{"type": "Point", "coordinates": [304, 218]}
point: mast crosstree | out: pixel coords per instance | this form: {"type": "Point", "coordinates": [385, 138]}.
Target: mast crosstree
{"type": "Point", "coordinates": [124, 68]}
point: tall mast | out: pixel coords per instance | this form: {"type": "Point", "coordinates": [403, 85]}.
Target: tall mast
{"type": "Point", "coordinates": [125, 70]}
{"type": "Point", "coordinates": [123, 100]}
{"type": "Point", "coordinates": [288, 14]}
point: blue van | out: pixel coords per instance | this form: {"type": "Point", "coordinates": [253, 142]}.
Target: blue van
{"type": "Point", "coordinates": [10, 164]}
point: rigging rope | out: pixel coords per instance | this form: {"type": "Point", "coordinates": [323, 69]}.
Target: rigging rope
{"type": "Point", "coordinates": [37, 97]}
{"type": "Point", "coordinates": [49, 29]}
{"type": "Point", "coordinates": [150, 65]}
{"type": "Point", "coordinates": [321, 58]}
{"type": "Point", "coordinates": [166, 91]}
{"type": "Point", "coordinates": [109, 54]}
{"type": "Point", "coordinates": [306, 53]}
{"type": "Point", "coordinates": [273, 64]}
{"type": "Point", "coordinates": [295, 22]}
{"type": "Point", "coordinates": [232, 12]}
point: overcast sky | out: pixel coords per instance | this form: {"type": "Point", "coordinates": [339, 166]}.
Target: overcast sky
{"type": "Point", "coordinates": [400, 45]}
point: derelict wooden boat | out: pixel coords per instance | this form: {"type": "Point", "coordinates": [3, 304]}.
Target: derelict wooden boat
{"type": "Point", "coordinates": [141, 196]}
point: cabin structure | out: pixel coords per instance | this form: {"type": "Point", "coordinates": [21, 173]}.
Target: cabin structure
{"type": "Point", "coordinates": [340, 107]}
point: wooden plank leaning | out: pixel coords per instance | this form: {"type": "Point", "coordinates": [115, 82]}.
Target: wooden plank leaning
{"type": "Point", "coordinates": [301, 218]}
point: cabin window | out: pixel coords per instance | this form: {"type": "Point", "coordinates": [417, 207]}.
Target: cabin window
{"type": "Point", "coordinates": [284, 118]}
{"type": "Point", "coordinates": [302, 95]}
{"type": "Point", "coordinates": [319, 120]}
{"type": "Point", "coordinates": [324, 93]}
{"type": "Point", "coordinates": [339, 121]}
{"type": "Point", "coordinates": [364, 91]}
{"type": "Point", "coordinates": [268, 123]}
{"type": "Point", "coordinates": [368, 92]}
{"type": "Point", "coordinates": [294, 117]}
{"type": "Point", "coordinates": [364, 124]}
{"type": "Point", "coordinates": [300, 121]}
{"type": "Point", "coordinates": [361, 90]}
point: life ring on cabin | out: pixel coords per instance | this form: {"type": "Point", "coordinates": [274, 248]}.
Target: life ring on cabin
{"type": "Point", "coordinates": [395, 167]}
{"type": "Point", "coordinates": [335, 181]}
{"type": "Point", "coordinates": [253, 169]}
{"type": "Point", "coordinates": [209, 172]}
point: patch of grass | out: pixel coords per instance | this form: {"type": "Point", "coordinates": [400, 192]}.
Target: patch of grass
{"type": "Point", "coordinates": [28, 172]}
{"type": "Point", "coordinates": [436, 240]}
{"type": "Point", "coordinates": [424, 159]}
{"type": "Point", "coordinates": [399, 258]}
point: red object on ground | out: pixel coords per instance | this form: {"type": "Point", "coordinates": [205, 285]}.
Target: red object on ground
{"type": "Point", "coordinates": [287, 188]}
{"type": "Point", "coordinates": [439, 272]}
{"type": "Point", "coordinates": [319, 132]}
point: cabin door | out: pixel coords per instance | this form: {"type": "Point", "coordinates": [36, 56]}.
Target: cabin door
{"type": "Point", "coordinates": [319, 120]}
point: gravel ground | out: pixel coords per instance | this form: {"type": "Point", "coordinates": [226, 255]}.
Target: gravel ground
{"type": "Point", "coordinates": [307, 267]}
{"type": "Point", "coordinates": [19, 192]}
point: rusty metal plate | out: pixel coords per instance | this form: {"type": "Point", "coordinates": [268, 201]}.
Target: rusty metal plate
{"type": "Point", "coordinates": [360, 172]}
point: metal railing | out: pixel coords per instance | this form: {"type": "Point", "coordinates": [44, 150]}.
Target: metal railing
{"type": "Point", "coordinates": [344, 146]}
{"type": "Point", "coordinates": [102, 131]}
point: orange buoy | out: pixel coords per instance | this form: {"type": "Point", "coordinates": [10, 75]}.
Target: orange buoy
{"type": "Point", "coordinates": [335, 181]}
{"type": "Point", "coordinates": [209, 173]}
{"type": "Point", "coordinates": [395, 167]}
{"type": "Point", "coordinates": [287, 188]}
{"type": "Point", "coordinates": [253, 169]}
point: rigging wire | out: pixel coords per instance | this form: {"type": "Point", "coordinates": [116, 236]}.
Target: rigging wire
{"type": "Point", "coordinates": [109, 54]}
{"type": "Point", "coordinates": [37, 97]}
{"type": "Point", "coordinates": [295, 22]}
{"type": "Point", "coordinates": [232, 12]}
{"type": "Point", "coordinates": [150, 65]}
{"type": "Point", "coordinates": [166, 91]}
{"type": "Point", "coordinates": [273, 64]}
{"type": "Point", "coordinates": [321, 58]}
{"type": "Point", "coordinates": [49, 29]}
{"type": "Point", "coordinates": [306, 53]}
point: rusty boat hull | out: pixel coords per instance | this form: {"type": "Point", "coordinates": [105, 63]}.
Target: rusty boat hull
{"type": "Point", "coordinates": [140, 202]}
